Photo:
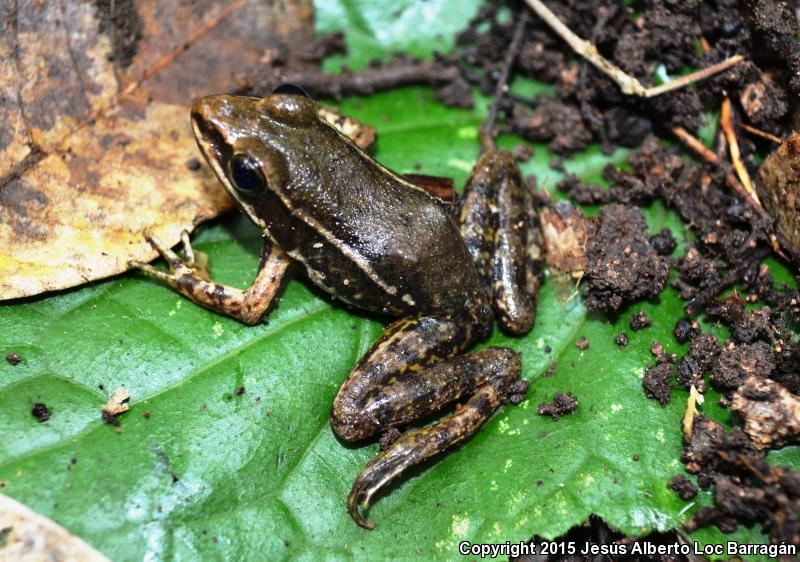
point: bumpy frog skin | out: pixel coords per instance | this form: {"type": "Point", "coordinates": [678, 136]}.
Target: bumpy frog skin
{"type": "Point", "coordinates": [377, 242]}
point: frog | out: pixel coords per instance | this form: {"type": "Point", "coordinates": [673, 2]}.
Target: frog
{"type": "Point", "coordinates": [380, 243]}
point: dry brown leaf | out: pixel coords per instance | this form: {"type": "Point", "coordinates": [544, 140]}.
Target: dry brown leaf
{"type": "Point", "coordinates": [564, 235]}
{"type": "Point", "coordinates": [96, 144]}
{"type": "Point", "coordinates": [30, 537]}
{"type": "Point", "coordinates": [778, 187]}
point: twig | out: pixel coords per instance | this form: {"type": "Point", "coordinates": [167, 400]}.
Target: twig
{"type": "Point", "coordinates": [364, 82]}
{"type": "Point", "coordinates": [711, 157]}
{"type": "Point", "coordinates": [759, 133]}
{"type": "Point", "coordinates": [487, 129]}
{"type": "Point", "coordinates": [627, 83]}
{"type": "Point", "coordinates": [733, 146]}
{"type": "Point", "coordinates": [695, 144]}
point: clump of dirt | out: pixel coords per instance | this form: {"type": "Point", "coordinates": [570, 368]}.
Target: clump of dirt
{"type": "Point", "coordinates": [640, 320]}
{"type": "Point", "coordinates": [657, 382]}
{"type": "Point", "coordinates": [563, 404]}
{"type": "Point", "coordinates": [622, 266]}
{"type": "Point", "coordinates": [683, 487]}
{"type": "Point", "coordinates": [747, 490]}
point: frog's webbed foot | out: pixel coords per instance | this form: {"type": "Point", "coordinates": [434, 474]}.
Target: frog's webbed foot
{"type": "Point", "coordinates": [500, 228]}
{"type": "Point", "coordinates": [190, 276]}
{"type": "Point", "coordinates": [402, 380]}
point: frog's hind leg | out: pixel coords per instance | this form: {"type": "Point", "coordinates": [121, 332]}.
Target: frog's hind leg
{"type": "Point", "coordinates": [499, 225]}
{"type": "Point", "coordinates": [406, 377]}
{"type": "Point", "coordinates": [189, 276]}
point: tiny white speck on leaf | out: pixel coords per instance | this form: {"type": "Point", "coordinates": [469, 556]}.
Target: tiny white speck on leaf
{"type": "Point", "coordinates": [218, 331]}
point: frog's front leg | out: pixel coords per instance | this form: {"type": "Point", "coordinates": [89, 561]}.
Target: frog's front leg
{"type": "Point", "coordinates": [190, 278]}
{"type": "Point", "coordinates": [407, 376]}
{"type": "Point", "coordinates": [500, 228]}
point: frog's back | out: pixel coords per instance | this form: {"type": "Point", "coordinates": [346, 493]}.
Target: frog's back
{"type": "Point", "coordinates": [379, 242]}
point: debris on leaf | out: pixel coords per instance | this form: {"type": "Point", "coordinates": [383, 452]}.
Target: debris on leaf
{"type": "Point", "coordinates": [564, 403]}
{"type": "Point", "coordinates": [117, 404]}
{"type": "Point", "coordinates": [564, 236]}
{"type": "Point", "coordinates": [13, 359]}
{"type": "Point", "coordinates": [640, 320]}
{"type": "Point", "coordinates": [657, 382]}
{"type": "Point", "coordinates": [41, 412]}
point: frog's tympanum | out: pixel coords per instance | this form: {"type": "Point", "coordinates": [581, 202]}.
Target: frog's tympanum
{"type": "Point", "coordinates": [378, 242]}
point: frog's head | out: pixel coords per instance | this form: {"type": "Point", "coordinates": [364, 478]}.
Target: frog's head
{"type": "Point", "coordinates": [237, 136]}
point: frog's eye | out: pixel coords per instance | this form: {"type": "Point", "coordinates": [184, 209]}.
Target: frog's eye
{"type": "Point", "coordinates": [291, 89]}
{"type": "Point", "coordinates": [246, 174]}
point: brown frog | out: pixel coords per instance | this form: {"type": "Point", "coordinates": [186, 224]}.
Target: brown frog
{"type": "Point", "coordinates": [378, 242]}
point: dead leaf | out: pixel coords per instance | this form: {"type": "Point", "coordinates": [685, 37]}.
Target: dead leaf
{"type": "Point", "coordinates": [26, 536]}
{"type": "Point", "coordinates": [564, 235]}
{"type": "Point", "coordinates": [96, 143]}
{"type": "Point", "coordinates": [117, 403]}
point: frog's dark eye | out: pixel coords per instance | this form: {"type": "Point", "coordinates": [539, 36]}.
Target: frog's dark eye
{"type": "Point", "coordinates": [291, 89]}
{"type": "Point", "coordinates": [246, 174]}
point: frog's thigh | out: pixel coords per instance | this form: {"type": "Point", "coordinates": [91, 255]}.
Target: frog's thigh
{"type": "Point", "coordinates": [249, 306]}
{"type": "Point", "coordinates": [405, 349]}
{"type": "Point", "coordinates": [499, 226]}
{"type": "Point", "coordinates": [491, 375]}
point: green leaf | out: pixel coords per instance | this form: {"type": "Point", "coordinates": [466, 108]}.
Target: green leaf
{"type": "Point", "coordinates": [212, 474]}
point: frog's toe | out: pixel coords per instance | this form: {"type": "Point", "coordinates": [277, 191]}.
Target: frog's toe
{"type": "Point", "coordinates": [150, 270]}
{"type": "Point", "coordinates": [358, 501]}
{"type": "Point", "coordinates": [176, 264]}
{"type": "Point", "coordinates": [188, 251]}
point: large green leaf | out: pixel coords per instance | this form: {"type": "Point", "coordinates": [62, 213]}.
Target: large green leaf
{"type": "Point", "coordinates": [214, 474]}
